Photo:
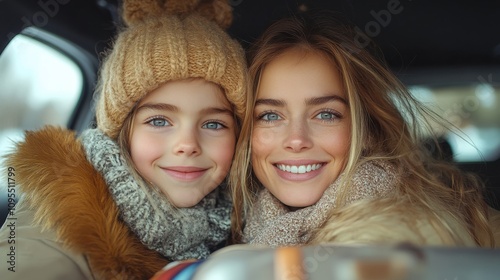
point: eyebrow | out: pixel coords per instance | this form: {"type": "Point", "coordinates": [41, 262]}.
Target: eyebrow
{"type": "Point", "coordinates": [172, 108]}
{"type": "Point", "coordinates": [216, 110]}
{"type": "Point", "coordinates": [310, 101]}
{"type": "Point", "coordinates": [325, 99]}
{"type": "Point", "coordinates": [270, 102]}
{"type": "Point", "coordinates": [158, 106]}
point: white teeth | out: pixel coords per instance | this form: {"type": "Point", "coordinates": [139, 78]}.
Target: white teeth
{"type": "Point", "coordinates": [300, 169]}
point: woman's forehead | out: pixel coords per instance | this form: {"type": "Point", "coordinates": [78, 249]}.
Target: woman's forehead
{"type": "Point", "coordinates": [297, 72]}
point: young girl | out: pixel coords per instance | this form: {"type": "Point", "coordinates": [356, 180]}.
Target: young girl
{"type": "Point", "coordinates": [333, 151]}
{"type": "Point", "coordinates": [147, 186]}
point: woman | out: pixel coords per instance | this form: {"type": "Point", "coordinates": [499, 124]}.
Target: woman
{"type": "Point", "coordinates": [331, 151]}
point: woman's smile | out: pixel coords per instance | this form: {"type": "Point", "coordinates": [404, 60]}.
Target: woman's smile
{"type": "Point", "coordinates": [299, 171]}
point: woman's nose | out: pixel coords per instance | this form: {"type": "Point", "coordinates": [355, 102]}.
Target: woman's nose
{"type": "Point", "coordinates": [297, 137]}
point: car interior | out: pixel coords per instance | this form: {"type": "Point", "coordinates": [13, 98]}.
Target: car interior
{"type": "Point", "coordinates": [447, 53]}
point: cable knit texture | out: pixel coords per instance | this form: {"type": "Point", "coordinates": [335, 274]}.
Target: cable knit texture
{"type": "Point", "coordinates": [190, 233]}
{"type": "Point", "coordinates": [273, 224]}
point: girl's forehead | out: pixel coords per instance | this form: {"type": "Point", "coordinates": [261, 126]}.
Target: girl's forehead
{"type": "Point", "coordinates": [186, 92]}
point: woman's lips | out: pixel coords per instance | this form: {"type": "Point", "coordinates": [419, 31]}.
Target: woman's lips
{"type": "Point", "coordinates": [299, 172]}
{"type": "Point", "coordinates": [185, 173]}
{"type": "Point", "coordinates": [299, 169]}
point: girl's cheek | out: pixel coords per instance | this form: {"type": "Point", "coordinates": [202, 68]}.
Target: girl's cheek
{"type": "Point", "coordinates": [227, 149]}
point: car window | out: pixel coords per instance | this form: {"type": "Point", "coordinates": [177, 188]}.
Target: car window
{"type": "Point", "coordinates": [474, 110]}
{"type": "Point", "coordinates": [38, 85]}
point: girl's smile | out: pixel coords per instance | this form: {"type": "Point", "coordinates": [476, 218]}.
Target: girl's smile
{"type": "Point", "coordinates": [185, 173]}
{"type": "Point", "coordinates": [183, 139]}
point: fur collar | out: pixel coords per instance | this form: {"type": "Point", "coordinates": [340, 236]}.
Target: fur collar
{"type": "Point", "coordinates": [69, 196]}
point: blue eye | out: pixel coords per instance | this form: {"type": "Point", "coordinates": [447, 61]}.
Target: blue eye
{"type": "Point", "coordinates": [325, 116]}
{"type": "Point", "coordinates": [270, 117]}
{"type": "Point", "coordinates": [213, 125]}
{"type": "Point", "coordinates": [158, 122]}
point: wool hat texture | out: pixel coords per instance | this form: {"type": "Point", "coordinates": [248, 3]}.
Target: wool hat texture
{"type": "Point", "coordinates": [166, 41]}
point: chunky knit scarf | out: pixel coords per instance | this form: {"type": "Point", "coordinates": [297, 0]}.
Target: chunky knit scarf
{"type": "Point", "coordinates": [272, 223]}
{"type": "Point", "coordinates": [177, 234]}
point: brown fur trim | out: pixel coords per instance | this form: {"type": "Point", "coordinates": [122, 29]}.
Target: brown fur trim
{"type": "Point", "coordinates": [71, 197]}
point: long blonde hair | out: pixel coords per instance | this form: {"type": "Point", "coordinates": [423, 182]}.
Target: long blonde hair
{"type": "Point", "coordinates": [388, 123]}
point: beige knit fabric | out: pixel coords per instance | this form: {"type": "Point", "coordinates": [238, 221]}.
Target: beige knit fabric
{"type": "Point", "coordinates": [271, 223]}
{"type": "Point", "coordinates": [159, 46]}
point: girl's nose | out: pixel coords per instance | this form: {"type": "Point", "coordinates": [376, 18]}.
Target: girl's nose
{"type": "Point", "coordinates": [187, 143]}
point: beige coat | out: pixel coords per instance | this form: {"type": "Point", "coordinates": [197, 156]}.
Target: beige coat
{"type": "Point", "coordinates": [63, 193]}
{"type": "Point", "coordinates": [36, 254]}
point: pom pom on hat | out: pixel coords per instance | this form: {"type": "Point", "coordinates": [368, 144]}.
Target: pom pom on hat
{"type": "Point", "coordinates": [166, 41]}
{"type": "Point", "coordinates": [218, 11]}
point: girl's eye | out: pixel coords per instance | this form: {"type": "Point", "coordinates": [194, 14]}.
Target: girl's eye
{"type": "Point", "coordinates": [158, 122]}
{"type": "Point", "coordinates": [270, 117]}
{"type": "Point", "coordinates": [213, 125]}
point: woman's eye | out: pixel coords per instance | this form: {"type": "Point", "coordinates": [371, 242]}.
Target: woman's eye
{"type": "Point", "coordinates": [213, 125]}
{"type": "Point", "coordinates": [326, 116]}
{"type": "Point", "coordinates": [159, 122]}
{"type": "Point", "coordinates": [270, 117]}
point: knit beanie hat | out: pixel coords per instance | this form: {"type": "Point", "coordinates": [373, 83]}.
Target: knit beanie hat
{"type": "Point", "coordinates": [167, 40]}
